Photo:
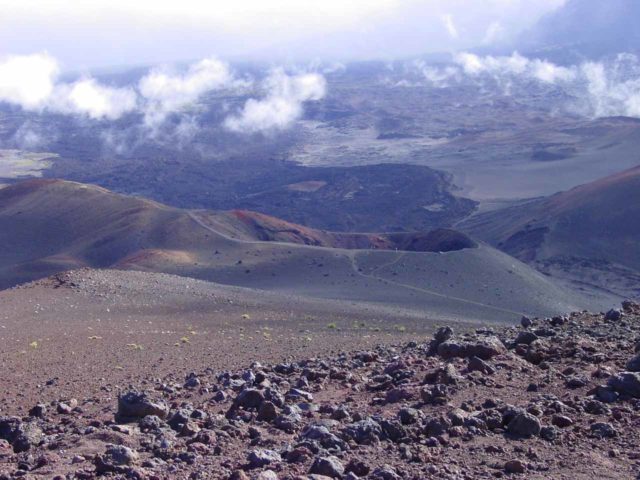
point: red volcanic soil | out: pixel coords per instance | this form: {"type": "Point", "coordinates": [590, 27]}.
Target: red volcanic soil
{"type": "Point", "coordinates": [125, 375]}
{"type": "Point", "coordinates": [258, 226]}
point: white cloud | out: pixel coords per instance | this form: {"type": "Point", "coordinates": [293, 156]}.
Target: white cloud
{"type": "Point", "coordinates": [282, 105]}
{"type": "Point", "coordinates": [30, 81]}
{"type": "Point", "coordinates": [450, 26]}
{"type": "Point", "coordinates": [610, 95]}
{"type": "Point", "coordinates": [88, 97]}
{"type": "Point", "coordinates": [514, 65]}
{"type": "Point", "coordinates": [598, 89]}
{"type": "Point", "coordinates": [166, 92]}
{"type": "Point", "coordinates": [27, 80]}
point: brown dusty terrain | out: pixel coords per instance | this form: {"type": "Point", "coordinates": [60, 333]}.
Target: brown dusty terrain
{"type": "Point", "coordinates": [76, 333]}
{"type": "Point", "coordinates": [553, 398]}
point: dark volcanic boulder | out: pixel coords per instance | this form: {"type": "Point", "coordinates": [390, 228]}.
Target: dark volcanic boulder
{"type": "Point", "coordinates": [134, 405]}
{"type": "Point", "coordinates": [327, 466]}
{"type": "Point", "coordinates": [483, 348]}
{"type": "Point", "coordinates": [366, 431]}
{"type": "Point", "coordinates": [524, 425]}
{"type": "Point", "coordinates": [116, 459]}
{"type": "Point", "coordinates": [263, 457]}
{"type": "Point", "coordinates": [626, 383]}
{"type": "Point", "coordinates": [633, 365]}
{"type": "Point", "coordinates": [250, 398]}
{"type": "Point", "coordinates": [21, 435]}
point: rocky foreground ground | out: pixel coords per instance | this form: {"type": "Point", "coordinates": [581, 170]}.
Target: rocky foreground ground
{"type": "Point", "coordinates": [552, 398]}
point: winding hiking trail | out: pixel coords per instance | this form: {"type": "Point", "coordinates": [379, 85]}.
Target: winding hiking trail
{"type": "Point", "coordinates": [352, 256]}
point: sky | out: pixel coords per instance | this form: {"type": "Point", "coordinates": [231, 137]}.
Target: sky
{"type": "Point", "coordinates": [90, 34]}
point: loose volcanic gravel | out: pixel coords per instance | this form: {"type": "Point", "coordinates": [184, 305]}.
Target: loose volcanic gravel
{"type": "Point", "coordinates": [552, 398]}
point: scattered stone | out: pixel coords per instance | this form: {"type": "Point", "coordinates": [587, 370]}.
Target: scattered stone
{"type": "Point", "coordinates": [327, 466]}
{"type": "Point", "coordinates": [263, 457]}
{"type": "Point", "coordinates": [515, 466]}
{"type": "Point", "coordinates": [524, 425]}
{"type": "Point", "coordinates": [250, 398]}
{"type": "Point", "coordinates": [626, 383]}
{"type": "Point", "coordinates": [116, 459]}
{"type": "Point", "coordinates": [134, 405]}
{"type": "Point", "coordinates": [633, 365]}
{"type": "Point", "coordinates": [603, 430]}
{"type": "Point", "coordinates": [561, 421]}
{"type": "Point", "coordinates": [38, 411]}
{"type": "Point", "coordinates": [613, 315]}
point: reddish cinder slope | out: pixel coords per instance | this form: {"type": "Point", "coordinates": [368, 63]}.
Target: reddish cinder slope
{"type": "Point", "coordinates": [47, 226]}
{"type": "Point", "coordinates": [598, 220]}
{"type": "Point", "coordinates": [247, 225]}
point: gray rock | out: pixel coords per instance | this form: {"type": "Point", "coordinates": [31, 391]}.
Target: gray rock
{"type": "Point", "coordinates": [484, 348]}
{"type": "Point", "coordinates": [561, 421]}
{"type": "Point", "coordinates": [633, 365]}
{"type": "Point", "coordinates": [476, 364]}
{"type": "Point", "coordinates": [408, 416]}
{"type": "Point", "coordinates": [613, 314]}
{"type": "Point", "coordinates": [603, 430]}
{"type": "Point", "coordinates": [135, 405]}
{"type": "Point", "coordinates": [524, 425]}
{"type": "Point", "coordinates": [267, 412]}
{"type": "Point", "coordinates": [366, 431]}
{"type": "Point", "coordinates": [116, 459]}
{"type": "Point", "coordinates": [606, 394]}
{"type": "Point", "coordinates": [385, 472]}
{"type": "Point", "coordinates": [263, 457]}
{"type": "Point", "coordinates": [38, 411]}
{"type": "Point", "coordinates": [442, 335]}
{"type": "Point", "coordinates": [248, 399]}
{"type": "Point", "coordinates": [151, 423]}
{"type": "Point", "coordinates": [321, 434]}
{"type": "Point", "coordinates": [526, 338]}
{"type": "Point", "coordinates": [626, 383]}
{"type": "Point", "coordinates": [327, 466]}
{"type": "Point", "coordinates": [515, 466]}
{"type": "Point", "coordinates": [21, 435]}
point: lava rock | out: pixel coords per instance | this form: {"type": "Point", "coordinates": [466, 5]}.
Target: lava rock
{"type": "Point", "coordinates": [515, 466]}
{"type": "Point", "coordinates": [134, 405]}
{"type": "Point", "coordinates": [626, 383]}
{"type": "Point", "coordinates": [524, 425]}
{"type": "Point", "coordinates": [327, 466]}
{"type": "Point", "coordinates": [633, 365]}
{"type": "Point", "coordinates": [263, 457]}
{"type": "Point", "coordinates": [116, 459]}
{"type": "Point", "coordinates": [614, 314]}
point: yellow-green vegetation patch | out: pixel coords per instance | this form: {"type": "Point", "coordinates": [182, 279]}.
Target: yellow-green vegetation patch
{"type": "Point", "coordinates": [20, 163]}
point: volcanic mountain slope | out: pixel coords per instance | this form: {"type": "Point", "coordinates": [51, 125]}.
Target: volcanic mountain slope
{"type": "Point", "coordinates": [591, 227]}
{"type": "Point", "coordinates": [47, 226]}
{"type": "Point", "coordinates": [588, 28]}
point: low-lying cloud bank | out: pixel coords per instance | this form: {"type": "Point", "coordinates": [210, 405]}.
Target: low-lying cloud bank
{"type": "Point", "coordinates": [33, 83]}
{"type": "Point", "coordinates": [282, 104]}
{"type": "Point", "coordinates": [599, 89]}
